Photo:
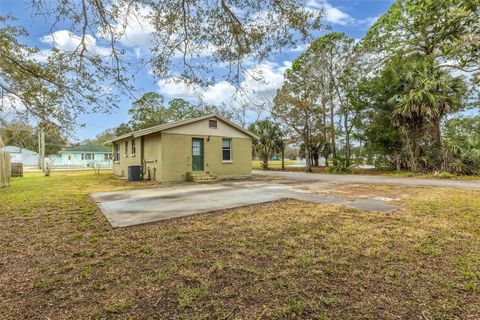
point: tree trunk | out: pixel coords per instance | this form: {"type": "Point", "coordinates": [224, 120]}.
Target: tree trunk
{"type": "Point", "coordinates": [415, 149]}
{"type": "Point", "coordinates": [324, 126]}
{"type": "Point", "coordinates": [315, 159]}
{"type": "Point", "coordinates": [439, 161]}
{"type": "Point", "coordinates": [265, 161]}
{"type": "Point", "coordinates": [437, 134]}
{"type": "Point", "coordinates": [398, 159]}
{"type": "Point", "coordinates": [283, 157]}
{"type": "Point", "coordinates": [410, 147]}
{"type": "Point", "coordinates": [308, 160]}
{"type": "Point", "coordinates": [347, 138]}
{"type": "Point", "coordinates": [332, 129]}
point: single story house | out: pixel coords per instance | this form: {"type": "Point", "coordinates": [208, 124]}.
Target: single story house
{"type": "Point", "coordinates": [87, 155]}
{"type": "Point", "coordinates": [208, 146]}
{"type": "Point", "coordinates": [22, 155]}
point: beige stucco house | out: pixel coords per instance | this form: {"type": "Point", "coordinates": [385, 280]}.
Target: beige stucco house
{"type": "Point", "coordinates": [208, 146]}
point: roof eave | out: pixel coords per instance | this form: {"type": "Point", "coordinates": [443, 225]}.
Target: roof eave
{"type": "Point", "coordinates": [123, 136]}
{"type": "Point", "coordinates": [166, 126]}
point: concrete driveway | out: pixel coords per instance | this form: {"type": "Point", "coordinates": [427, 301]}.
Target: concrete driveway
{"type": "Point", "coordinates": [132, 207]}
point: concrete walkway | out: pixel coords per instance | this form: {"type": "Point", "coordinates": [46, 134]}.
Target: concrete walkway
{"type": "Point", "coordinates": [371, 179]}
{"type": "Point", "coordinates": [132, 207]}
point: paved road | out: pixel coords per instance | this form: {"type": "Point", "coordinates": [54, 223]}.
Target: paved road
{"type": "Point", "coordinates": [26, 169]}
{"type": "Point", "coordinates": [349, 178]}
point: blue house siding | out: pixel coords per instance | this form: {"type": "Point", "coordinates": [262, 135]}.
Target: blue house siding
{"type": "Point", "coordinates": [83, 159]}
{"type": "Point", "coordinates": [85, 156]}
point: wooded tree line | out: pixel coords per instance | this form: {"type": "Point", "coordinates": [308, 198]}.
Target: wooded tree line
{"type": "Point", "coordinates": [22, 134]}
{"type": "Point", "coordinates": [403, 97]}
{"type": "Point", "coordinates": [152, 110]}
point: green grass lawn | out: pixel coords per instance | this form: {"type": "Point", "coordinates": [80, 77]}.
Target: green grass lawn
{"type": "Point", "coordinates": [272, 164]}
{"type": "Point", "coordinates": [61, 259]}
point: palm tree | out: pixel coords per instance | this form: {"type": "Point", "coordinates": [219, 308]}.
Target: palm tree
{"type": "Point", "coordinates": [270, 139]}
{"type": "Point", "coordinates": [463, 154]}
{"type": "Point", "coordinates": [427, 95]}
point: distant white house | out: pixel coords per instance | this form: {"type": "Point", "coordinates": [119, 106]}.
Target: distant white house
{"type": "Point", "coordinates": [87, 155]}
{"type": "Point", "coordinates": [22, 155]}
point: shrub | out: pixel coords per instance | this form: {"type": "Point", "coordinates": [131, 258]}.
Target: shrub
{"type": "Point", "coordinates": [339, 167]}
{"type": "Point", "coordinates": [445, 175]}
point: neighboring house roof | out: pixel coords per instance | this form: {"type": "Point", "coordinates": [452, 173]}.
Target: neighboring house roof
{"type": "Point", "coordinates": [175, 124]}
{"type": "Point", "coordinates": [89, 147]}
{"type": "Point", "coordinates": [15, 149]}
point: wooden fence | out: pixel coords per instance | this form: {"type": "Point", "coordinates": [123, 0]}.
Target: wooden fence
{"type": "Point", "coordinates": [17, 169]}
{"type": "Point", "coordinates": [5, 169]}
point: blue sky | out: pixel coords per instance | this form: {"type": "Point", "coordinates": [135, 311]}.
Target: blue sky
{"type": "Point", "coordinates": [350, 16]}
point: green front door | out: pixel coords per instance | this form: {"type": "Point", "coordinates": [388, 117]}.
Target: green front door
{"type": "Point", "coordinates": [197, 154]}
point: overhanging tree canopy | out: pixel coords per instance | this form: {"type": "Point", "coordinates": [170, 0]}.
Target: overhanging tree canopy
{"type": "Point", "coordinates": [189, 38]}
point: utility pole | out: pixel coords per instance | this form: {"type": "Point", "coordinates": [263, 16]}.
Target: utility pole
{"type": "Point", "coordinates": [41, 149]}
{"type": "Point", "coordinates": [39, 138]}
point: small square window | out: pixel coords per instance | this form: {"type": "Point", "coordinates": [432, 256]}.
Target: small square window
{"type": "Point", "coordinates": [212, 124]}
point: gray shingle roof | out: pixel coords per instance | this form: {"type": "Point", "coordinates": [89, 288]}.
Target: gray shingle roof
{"type": "Point", "coordinates": [89, 147]}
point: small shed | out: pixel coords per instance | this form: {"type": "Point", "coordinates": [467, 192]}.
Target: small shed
{"type": "Point", "coordinates": [22, 155]}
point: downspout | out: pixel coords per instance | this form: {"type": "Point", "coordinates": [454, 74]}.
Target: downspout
{"type": "Point", "coordinates": [142, 158]}
{"type": "Point", "coordinates": [113, 157]}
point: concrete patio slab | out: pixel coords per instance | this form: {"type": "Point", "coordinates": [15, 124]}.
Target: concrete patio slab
{"type": "Point", "coordinates": [132, 207]}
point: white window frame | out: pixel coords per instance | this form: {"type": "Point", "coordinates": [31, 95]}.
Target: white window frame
{"type": "Point", "coordinates": [88, 156]}
{"type": "Point", "coordinates": [126, 148]}
{"type": "Point", "coordinates": [134, 148]}
{"type": "Point", "coordinates": [117, 152]}
{"type": "Point", "coordinates": [230, 149]}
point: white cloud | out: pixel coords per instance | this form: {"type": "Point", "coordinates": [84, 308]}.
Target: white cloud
{"type": "Point", "coordinates": [266, 76]}
{"type": "Point", "coordinates": [371, 20]}
{"type": "Point", "coordinates": [11, 107]}
{"type": "Point", "coordinates": [178, 88]}
{"type": "Point", "coordinates": [300, 48]}
{"type": "Point", "coordinates": [332, 14]}
{"type": "Point", "coordinates": [336, 16]}
{"type": "Point", "coordinates": [260, 84]}
{"type": "Point", "coordinates": [41, 56]}
{"type": "Point", "coordinates": [136, 30]}
{"type": "Point", "coordinates": [67, 41]}
{"type": "Point", "coordinates": [220, 93]}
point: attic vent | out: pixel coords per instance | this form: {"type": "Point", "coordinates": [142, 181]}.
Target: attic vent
{"type": "Point", "coordinates": [212, 124]}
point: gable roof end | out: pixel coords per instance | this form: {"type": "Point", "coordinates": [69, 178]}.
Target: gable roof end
{"type": "Point", "coordinates": [175, 124]}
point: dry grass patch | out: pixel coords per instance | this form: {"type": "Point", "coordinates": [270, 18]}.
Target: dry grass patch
{"type": "Point", "coordinates": [290, 259]}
